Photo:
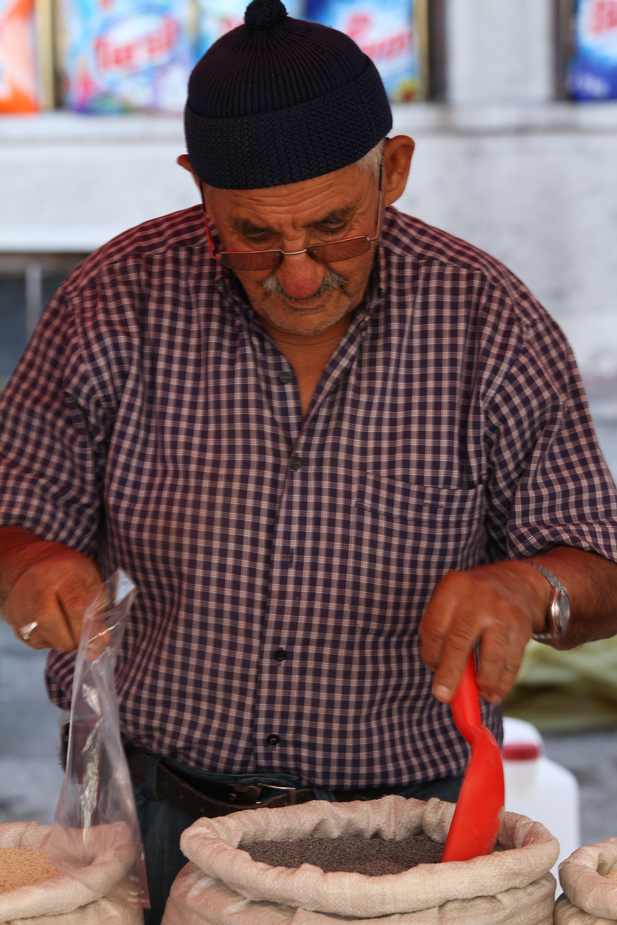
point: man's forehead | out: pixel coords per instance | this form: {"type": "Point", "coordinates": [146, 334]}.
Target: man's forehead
{"type": "Point", "coordinates": [342, 189]}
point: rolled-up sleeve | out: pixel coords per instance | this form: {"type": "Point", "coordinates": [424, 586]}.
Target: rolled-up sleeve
{"type": "Point", "coordinates": [550, 484]}
{"type": "Point", "coordinates": [52, 436]}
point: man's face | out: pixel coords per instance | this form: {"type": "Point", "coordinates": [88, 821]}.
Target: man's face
{"type": "Point", "coordinates": [302, 297]}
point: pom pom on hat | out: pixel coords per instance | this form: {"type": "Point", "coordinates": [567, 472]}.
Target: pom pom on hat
{"type": "Point", "coordinates": [264, 14]}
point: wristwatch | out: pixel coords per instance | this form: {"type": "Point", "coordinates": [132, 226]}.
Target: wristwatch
{"type": "Point", "coordinates": [558, 614]}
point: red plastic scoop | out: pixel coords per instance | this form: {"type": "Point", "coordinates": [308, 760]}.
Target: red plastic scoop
{"type": "Point", "coordinates": [475, 824]}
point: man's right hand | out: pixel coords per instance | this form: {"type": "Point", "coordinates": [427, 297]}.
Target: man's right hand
{"type": "Point", "coordinates": [47, 583]}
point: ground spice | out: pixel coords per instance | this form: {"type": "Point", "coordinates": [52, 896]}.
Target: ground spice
{"type": "Point", "coordinates": [350, 853]}
{"type": "Point", "coordinates": [23, 867]}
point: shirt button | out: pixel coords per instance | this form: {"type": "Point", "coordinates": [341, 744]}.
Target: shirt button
{"type": "Point", "coordinates": [286, 376]}
{"type": "Point", "coordinates": [280, 655]}
{"type": "Point", "coordinates": [295, 462]}
{"type": "Point", "coordinates": [273, 739]}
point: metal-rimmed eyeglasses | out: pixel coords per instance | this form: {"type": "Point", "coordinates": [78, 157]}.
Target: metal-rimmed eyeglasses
{"type": "Point", "coordinates": [328, 252]}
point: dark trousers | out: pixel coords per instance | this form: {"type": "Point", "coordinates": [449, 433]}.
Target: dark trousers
{"type": "Point", "coordinates": [162, 824]}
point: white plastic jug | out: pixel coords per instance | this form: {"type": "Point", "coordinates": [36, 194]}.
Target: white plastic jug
{"type": "Point", "coordinates": [540, 788]}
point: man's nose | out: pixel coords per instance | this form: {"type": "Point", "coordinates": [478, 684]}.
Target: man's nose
{"type": "Point", "coordinates": [300, 276]}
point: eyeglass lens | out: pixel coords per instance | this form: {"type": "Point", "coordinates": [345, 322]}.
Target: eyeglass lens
{"type": "Point", "coordinates": [270, 260]}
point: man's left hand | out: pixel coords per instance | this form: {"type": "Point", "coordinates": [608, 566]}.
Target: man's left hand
{"type": "Point", "coordinates": [498, 606]}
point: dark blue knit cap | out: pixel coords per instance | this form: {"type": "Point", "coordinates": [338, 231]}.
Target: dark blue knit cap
{"type": "Point", "coordinates": [278, 100]}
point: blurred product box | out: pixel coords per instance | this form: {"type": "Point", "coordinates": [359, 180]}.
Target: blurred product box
{"type": "Point", "coordinates": [216, 17]}
{"type": "Point", "coordinates": [20, 90]}
{"type": "Point", "coordinates": [112, 56]}
{"type": "Point", "coordinates": [392, 33]}
{"type": "Point", "coordinates": [123, 55]}
{"type": "Point", "coordinates": [592, 73]}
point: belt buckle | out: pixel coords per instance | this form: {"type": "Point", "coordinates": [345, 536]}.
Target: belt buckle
{"type": "Point", "coordinates": [259, 786]}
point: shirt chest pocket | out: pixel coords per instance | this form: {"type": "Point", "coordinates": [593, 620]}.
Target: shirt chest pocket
{"type": "Point", "coordinates": [429, 529]}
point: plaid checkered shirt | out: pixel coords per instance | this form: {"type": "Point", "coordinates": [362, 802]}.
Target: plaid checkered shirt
{"type": "Point", "coordinates": [283, 563]}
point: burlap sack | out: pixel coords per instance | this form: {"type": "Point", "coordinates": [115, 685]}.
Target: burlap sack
{"type": "Point", "coordinates": [224, 886]}
{"type": "Point", "coordinates": [567, 914]}
{"type": "Point", "coordinates": [589, 881]}
{"type": "Point", "coordinates": [96, 894]}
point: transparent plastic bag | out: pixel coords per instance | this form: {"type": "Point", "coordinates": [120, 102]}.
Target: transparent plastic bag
{"type": "Point", "coordinates": [95, 837]}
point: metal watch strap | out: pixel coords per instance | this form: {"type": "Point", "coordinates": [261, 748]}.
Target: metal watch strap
{"type": "Point", "coordinates": [553, 617]}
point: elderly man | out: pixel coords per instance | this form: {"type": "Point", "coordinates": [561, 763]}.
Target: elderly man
{"type": "Point", "coordinates": [335, 448]}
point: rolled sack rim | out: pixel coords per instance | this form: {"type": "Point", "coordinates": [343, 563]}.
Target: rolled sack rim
{"type": "Point", "coordinates": [215, 847]}
{"type": "Point", "coordinates": [583, 878]}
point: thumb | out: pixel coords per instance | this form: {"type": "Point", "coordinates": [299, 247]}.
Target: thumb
{"type": "Point", "coordinates": [78, 594]}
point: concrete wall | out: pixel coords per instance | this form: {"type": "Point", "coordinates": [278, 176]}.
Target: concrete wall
{"type": "Point", "coordinates": [542, 198]}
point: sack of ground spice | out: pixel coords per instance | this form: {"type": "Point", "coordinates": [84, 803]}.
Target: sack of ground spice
{"type": "Point", "coordinates": [358, 863]}
{"type": "Point", "coordinates": [589, 882]}
{"type": "Point", "coordinates": [33, 891]}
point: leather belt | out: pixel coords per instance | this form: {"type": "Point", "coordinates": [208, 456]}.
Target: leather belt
{"type": "Point", "coordinates": [198, 797]}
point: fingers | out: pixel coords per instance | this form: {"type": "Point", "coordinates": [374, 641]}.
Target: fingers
{"type": "Point", "coordinates": [446, 641]}
{"type": "Point", "coordinates": [27, 604]}
{"type": "Point", "coordinates": [501, 654]}
{"type": "Point", "coordinates": [54, 594]}
{"type": "Point", "coordinates": [488, 605]}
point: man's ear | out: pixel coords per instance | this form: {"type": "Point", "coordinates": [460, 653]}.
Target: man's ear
{"type": "Point", "coordinates": [183, 161]}
{"type": "Point", "coordinates": [397, 156]}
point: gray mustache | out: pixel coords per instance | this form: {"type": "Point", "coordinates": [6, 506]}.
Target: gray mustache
{"type": "Point", "coordinates": [331, 280]}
